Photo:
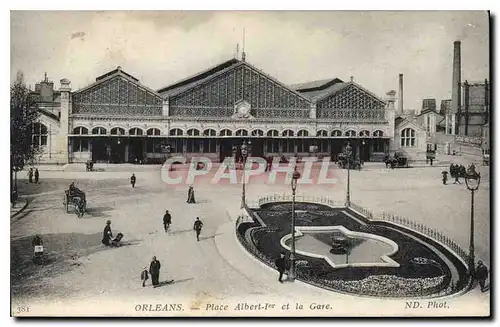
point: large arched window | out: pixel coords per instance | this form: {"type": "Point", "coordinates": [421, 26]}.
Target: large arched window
{"type": "Point", "coordinates": [80, 130]}
{"type": "Point", "coordinates": [287, 132]}
{"type": "Point", "coordinates": [153, 131]}
{"type": "Point", "coordinates": [193, 132]}
{"type": "Point", "coordinates": [378, 133]}
{"type": "Point", "coordinates": [210, 132]}
{"type": "Point", "coordinates": [226, 132]}
{"type": "Point", "coordinates": [350, 133]}
{"type": "Point", "coordinates": [176, 132]}
{"type": "Point", "coordinates": [39, 135]}
{"type": "Point", "coordinates": [408, 137]}
{"type": "Point", "coordinates": [257, 132]}
{"type": "Point", "coordinates": [272, 133]}
{"type": "Point", "coordinates": [242, 132]}
{"type": "Point", "coordinates": [336, 133]}
{"type": "Point", "coordinates": [99, 131]}
{"type": "Point", "coordinates": [364, 133]}
{"type": "Point", "coordinates": [135, 131]}
{"type": "Point", "coordinates": [117, 131]}
{"type": "Point", "coordinates": [302, 133]}
{"type": "Point", "coordinates": [322, 133]}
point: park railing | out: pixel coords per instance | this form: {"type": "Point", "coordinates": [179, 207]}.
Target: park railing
{"type": "Point", "coordinates": [273, 198]}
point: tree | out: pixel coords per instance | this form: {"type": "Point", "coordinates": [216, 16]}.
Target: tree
{"type": "Point", "coordinates": [23, 115]}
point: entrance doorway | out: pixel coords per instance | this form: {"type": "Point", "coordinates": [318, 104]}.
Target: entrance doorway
{"type": "Point", "coordinates": [99, 147]}
{"type": "Point", "coordinates": [117, 151]}
{"type": "Point", "coordinates": [226, 149]}
{"type": "Point", "coordinates": [257, 148]}
{"type": "Point", "coordinates": [135, 150]}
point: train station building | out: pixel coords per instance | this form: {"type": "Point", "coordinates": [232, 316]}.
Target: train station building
{"type": "Point", "coordinates": [117, 119]}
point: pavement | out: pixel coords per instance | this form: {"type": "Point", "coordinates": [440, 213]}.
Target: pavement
{"type": "Point", "coordinates": [217, 269]}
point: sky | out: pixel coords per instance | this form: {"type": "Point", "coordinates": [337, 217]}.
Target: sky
{"type": "Point", "coordinates": [162, 47]}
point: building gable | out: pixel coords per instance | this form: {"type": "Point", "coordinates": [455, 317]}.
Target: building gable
{"type": "Point", "coordinates": [218, 94]}
{"type": "Point", "coordinates": [350, 99]}
{"type": "Point", "coordinates": [117, 93]}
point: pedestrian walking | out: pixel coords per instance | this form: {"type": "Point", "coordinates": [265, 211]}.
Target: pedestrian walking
{"type": "Point", "coordinates": [144, 276]}
{"type": "Point", "coordinates": [154, 270]}
{"type": "Point", "coordinates": [456, 171]}
{"type": "Point", "coordinates": [432, 160]}
{"type": "Point", "coordinates": [132, 180]}
{"type": "Point", "coordinates": [167, 220]}
{"type": "Point", "coordinates": [481, 275]}
{"type": "Point", "coordinates": [107, 234]}
{"type": "Point", "coordinates": [281, 266]}
{"type": "Point", "coordinates": [30, 175]}
{"type": "Point", "coordinates": [190, 198]}
{"type": "Point", "coordinates": [37, 175]}
{"type": "Point", "coordinates": [445, 177]}
{"type": "Point", "coordinates": [37, 244]}
{"type": "Point", "coordinates": [198, 224]}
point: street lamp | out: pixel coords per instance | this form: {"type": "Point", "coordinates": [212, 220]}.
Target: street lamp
{"type": "Point", "coordinates": [245, 149]}
{"type": "Point", "coordinates": [472, 180]}
{"type": "Point", "coordinates": [348, 153]}
{"type": "Point", "coordinates": [295, 177]}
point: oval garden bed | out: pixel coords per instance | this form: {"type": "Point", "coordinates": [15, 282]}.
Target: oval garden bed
{"type": "Point", "coordinates": [416, 267]}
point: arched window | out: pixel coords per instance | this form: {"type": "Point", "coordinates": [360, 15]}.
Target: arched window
{"type": "Point", "coordinates": [302, 133]}
{"type": "Point", "coordinates": [336, 133]}
{"type": "Point", "coordinates": [176, 132]}
{"type": "Point", "coordinates": [135, 131]}
{"type": "Point", "coordinates": [364, 133]}
{"type": "Point", "coordinates": [322, 133]}
{"type": "Point", "coordinates": [378, 133]}
{"type": "Point", "coordinates": [80, 130]}
{"type": "Point", "coordinates": [193, 132]}
{"type": "Point", "coordinates": [153, 131]}
{"type": "Point", "coordinates": [350, 133]}
{"type": "Point", "coordinates": [272, 133]}
{"type": "Point", "coordinates": [241, 132]}
{"type": "Point", "coordinates": [39, 135]}
{"type": "Point", "coordinates": [210, 132]}
{"type": "Point", "coordinates": [257, 132]}
{"type": "Point", "coordinates": [287, 132]}
{"type": "Point", "coordinates": [99, 131]}
{"type": "Point", "coordinates": [226, 132]}
{"type": "Point", "coordinates": [117, 131]}
{"type": "Point", "coordinates": [408, 137]}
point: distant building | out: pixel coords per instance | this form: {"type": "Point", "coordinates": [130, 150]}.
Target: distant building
{"type": "Point", "coordinates": [445, 107]}
{"type": "Point", "coordinates": [428, 104]}
{"type": "Point", "coordinates": [475, 111]}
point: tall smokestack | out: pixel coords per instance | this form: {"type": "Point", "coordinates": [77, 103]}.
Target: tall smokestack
{"type": "Point", "coordinates": [400, 104]}
{"type": "Point", "coordinates": [455, 88]}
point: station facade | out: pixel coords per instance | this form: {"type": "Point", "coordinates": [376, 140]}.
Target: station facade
{"type": "Point", "coordinates": [117, 119]}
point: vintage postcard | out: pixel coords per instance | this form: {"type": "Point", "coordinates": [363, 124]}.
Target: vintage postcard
{"type": "Point", "coordinates": [250, 164]}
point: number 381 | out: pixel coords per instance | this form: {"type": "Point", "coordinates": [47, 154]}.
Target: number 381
{"type": "Point", "coordinates": [23, 309]}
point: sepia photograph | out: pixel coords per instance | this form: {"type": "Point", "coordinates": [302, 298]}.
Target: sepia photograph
{"type": "Point", "coordinates": [250, 163]}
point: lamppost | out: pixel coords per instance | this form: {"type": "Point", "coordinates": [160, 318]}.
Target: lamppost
{"type": "Point", "coordinates": [295, 177]}
{"type": "Point", "coordinates": [234, 149]}
{"type": "Point", "coordinates": [348, 153]}
{"type": "Point", "coordinates": [362, 156]}
{"type": "Point", "coordinates": [472, 180]}
{"type": "Point", "coordinates": [245, 149]}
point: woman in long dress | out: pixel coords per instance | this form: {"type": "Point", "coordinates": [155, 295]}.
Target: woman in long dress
{"type": "Point", "coordinates": [190, 198]}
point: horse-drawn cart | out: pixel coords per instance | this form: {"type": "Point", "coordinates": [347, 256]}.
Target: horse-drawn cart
{"type": "Point", "coordinates": [75, 199]}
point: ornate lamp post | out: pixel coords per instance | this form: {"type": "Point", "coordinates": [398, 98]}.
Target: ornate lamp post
{"type": "Point", "coordinates": [235, 150]}
{"type": "Point", "coordinates": [348, 153]}
{"type": "Point", "coordinates": [245, 150]}
{"type": "Point", "coordinates": [472, 180]}
{"type": "Point", "coordinates": [295, 177]}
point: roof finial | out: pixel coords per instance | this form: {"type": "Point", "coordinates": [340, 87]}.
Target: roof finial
{"type": "Point", "coordinates": [352, 79]}
{"type": "Point", "coordinates": [243, 55]}
{"type": "Point", "coordinates": [45, 78]}
{"type": "Point", "coordinates": [237, 50]}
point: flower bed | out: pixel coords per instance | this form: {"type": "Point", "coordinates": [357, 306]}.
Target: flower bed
{"type": "Point", "coordinates": [421, 273]}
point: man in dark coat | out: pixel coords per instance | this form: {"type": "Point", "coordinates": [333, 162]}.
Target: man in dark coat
{"type": "Point", "coordinates": [30, 175]}
{"type": "Point", "coordinates": [37, 175]}
{"type": "Point", "coordinates": [190, 198]}
{"type": "Point", "coordinates": [281, 266]}
{"type": "Point", "coordinates": [481, 275]}
{"type": "Point", "coordinates": [107, 234]}
{"type": "Point", "coordinates": [445, 177]}
{"type": "Point", "coordinates": [132, 180]}
{"type": "Point", "coordinates": [167, 220]}
{"type": "Point", "coordinates": [154, 270]}
{"type": "Point", "coordinates": [198, 224]}
{"type": "Point", "coordinates": [456, 173]}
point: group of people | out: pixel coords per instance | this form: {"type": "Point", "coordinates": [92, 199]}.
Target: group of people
{"type": "Point", "coordinates": [456, 171]}
{"type": "Point", "coordinates": [33, 173]}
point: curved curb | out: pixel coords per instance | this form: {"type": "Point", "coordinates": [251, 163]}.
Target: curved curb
{"type": "Point", "coordinates": [12, 216]}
